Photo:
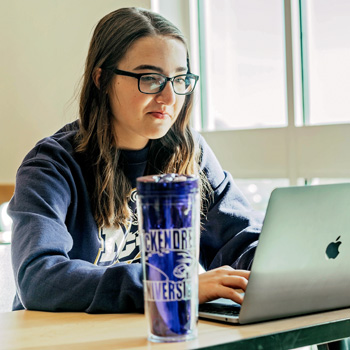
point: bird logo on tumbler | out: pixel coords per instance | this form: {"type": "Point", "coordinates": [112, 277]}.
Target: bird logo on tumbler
{"type": "Point", "coordinates": [168, 207]}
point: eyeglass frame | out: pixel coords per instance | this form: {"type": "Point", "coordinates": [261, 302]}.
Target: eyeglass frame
{"type": "Point", "coordinates": [139, 75]}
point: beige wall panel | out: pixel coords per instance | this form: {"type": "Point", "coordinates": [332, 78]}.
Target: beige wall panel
{"type": "Point", "coordinates": [43, 49]}
{"type": "Point", "coordinates": [323, 151]}
{"type": "Point", "coordinates": [251, 153]}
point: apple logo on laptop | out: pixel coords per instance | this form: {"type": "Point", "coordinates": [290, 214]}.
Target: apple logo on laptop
{"type": "Point", "coordinates": [332, 250]}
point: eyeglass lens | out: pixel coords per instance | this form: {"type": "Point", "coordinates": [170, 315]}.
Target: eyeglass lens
{"type": "Point", "coordinates": [153, 83]}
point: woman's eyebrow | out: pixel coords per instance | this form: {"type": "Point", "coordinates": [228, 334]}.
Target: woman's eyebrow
{"type": "Point", "coordinates": [158, 69]}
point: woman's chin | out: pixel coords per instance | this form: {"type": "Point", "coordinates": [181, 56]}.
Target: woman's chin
{"type": "Point", "coordinates": [158, 134]}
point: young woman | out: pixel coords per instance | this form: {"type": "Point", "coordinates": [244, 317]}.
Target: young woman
{"type": "Point", "coordinates": [75, 241]}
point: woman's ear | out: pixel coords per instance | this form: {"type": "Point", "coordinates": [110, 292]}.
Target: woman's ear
{"type": "Point", "coordinates": [96, 75]}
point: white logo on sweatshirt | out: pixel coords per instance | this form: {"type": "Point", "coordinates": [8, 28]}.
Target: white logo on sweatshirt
{"type": "Point", "coordinates": [120, 244]}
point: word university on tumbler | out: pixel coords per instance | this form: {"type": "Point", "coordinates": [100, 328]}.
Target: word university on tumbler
{"type": "Point", "coordinates": [174, 245]}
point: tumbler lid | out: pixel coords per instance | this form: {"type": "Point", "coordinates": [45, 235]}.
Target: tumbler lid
{"type": "Point", "coordinates": [165, 184]}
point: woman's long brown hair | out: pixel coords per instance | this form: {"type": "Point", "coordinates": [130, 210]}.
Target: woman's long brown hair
{"type": "Point", "coordinates": [176, 152]}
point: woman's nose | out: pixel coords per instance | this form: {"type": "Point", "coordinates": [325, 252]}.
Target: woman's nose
{"type": "Point", "coordinates": [167, 95]}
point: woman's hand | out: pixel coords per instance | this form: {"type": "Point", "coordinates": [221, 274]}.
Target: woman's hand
{"type": "Point", "coordinates": [222, 282]}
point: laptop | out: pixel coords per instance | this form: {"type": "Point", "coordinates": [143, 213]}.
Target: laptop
{"type": "Point", "coordinates": [302, 261]}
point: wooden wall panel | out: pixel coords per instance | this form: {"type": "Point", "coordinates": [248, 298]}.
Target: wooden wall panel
{"type": "Point", "coordinates": [6, 192]}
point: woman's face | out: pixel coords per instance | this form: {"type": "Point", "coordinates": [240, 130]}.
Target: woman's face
{"type": "Point", "coordinates": [140, 117]}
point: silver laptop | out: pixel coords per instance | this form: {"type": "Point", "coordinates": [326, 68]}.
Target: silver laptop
{"type": "Point", "coordinates": [302, 260]}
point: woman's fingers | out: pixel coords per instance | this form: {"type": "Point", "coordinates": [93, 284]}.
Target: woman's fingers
{"type": "Point", "coordinates": [233, 294]}
{"type": "Point", "coordinates": [223, 282]}
{"type": "Point", "coordinates": [236, 282]}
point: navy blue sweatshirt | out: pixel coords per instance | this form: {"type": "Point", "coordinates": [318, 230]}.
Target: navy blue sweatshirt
{"type": "Point", "coordinates": [63, 262]}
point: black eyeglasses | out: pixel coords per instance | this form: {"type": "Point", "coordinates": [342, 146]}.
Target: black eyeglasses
{"type": "Point", "coordinates": [153, 83]}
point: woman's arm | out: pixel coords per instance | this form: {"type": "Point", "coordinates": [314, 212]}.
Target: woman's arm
{"type": "Point", "coordinates": [55, 242]}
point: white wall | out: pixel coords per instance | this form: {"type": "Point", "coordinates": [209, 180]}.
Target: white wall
{"type": "Point", "coordinates": [43, 47]}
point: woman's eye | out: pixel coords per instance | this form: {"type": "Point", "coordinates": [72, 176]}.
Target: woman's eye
{"type": "Point", "coordinates": [180, 81]}
{"type": "Point", "coordinates": [149, 79]}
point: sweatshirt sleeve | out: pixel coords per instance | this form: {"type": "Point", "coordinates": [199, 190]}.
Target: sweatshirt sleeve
{"type": "Point", "coordinates": [46, 275]}
{"type": "Point", "coordinates": [230, 228]}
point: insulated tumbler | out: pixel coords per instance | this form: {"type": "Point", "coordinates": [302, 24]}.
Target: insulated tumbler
{"type": "Point", "coordinates": [169, 222]}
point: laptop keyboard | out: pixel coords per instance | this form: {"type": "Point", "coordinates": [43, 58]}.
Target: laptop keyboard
{"type": "Point", "coordinates": [229, 310]}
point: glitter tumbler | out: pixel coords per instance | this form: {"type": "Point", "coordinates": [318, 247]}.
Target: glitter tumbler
{"type": "Point", "coordinates": [169, 221]}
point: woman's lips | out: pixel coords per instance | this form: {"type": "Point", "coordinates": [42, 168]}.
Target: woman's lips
{"type": "Point", "coordinates": [160, 115]}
